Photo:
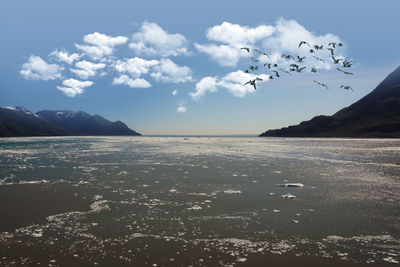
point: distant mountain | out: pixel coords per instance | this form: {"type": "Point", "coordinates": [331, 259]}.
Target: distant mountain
{"type": "Point", "coordinates": [375, 115]}
{"type": "Point", "coordinates": [81, 123]}
{"type": "Point", "coordinates": [18, 121]}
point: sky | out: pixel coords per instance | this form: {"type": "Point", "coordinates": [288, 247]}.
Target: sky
{"type": "Point", "coordinates": [176, 67]}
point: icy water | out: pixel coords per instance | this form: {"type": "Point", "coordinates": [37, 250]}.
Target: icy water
{"type": "Point", "coordinates": [220, 201]}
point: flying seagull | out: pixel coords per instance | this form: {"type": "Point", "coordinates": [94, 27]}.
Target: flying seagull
{"type": "Point", "coordinates": [246, 48]}
{"type": "Point", "coordinates": [347, 64]}
{"type": "Point", "coordinates": [268, 65]}
{"type": "Point", "coordinates": [287, 56]}
{"type": "Point", "coordinates": [313, 70]}
{"type": "Point", "coordinates": [252, 82]}
{"type": "Point", "coordinates": [347, 87]}
{"type": "Point", "coordinates": [331, 49]}
{"type": "Point", "coordinates": [345, 72]}
{"type": "Point", "coordinates": [318, 47]}
{"type": "Point", "coordinates": [336, 61]}
{"type": "Point", "coordinates": [276, 73]}
{"type": "Point", "coordinates": [332, 44]}
{"type": "Point", "coordinates": [320, 59]}
{"type": "Point", "coordinates": [304, 42]}
{"type": "Point", "coordinates": [300, 59]}
{"type": "Point", "coordinates": [320, 84]}
{"type": "Point", "coordinates": [311, 51]}
{"type": "Point", "coordinates": [262, 53]}
{"type": "Point", "coordinates": [253, 68]}
{"type": "Point", "coordinates": [299, 70]}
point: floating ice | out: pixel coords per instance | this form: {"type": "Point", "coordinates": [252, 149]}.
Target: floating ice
{"type": "Point", "coordinates": [230, 191]}
{"type": "Point", "coordinates": [195, 207]}
{"type": "Point", "coordinates": [288, 196]}
{"type": "Point", "coordinates": [295, 221]}
{"type": "Point", "coordinates": [291, 185]}
{"type": "Point", "coordinates": [276, 211]}
{"type": "Point", "coordinates": [391, 260]}
{"type": "Point", "coordinates": [242, 259]}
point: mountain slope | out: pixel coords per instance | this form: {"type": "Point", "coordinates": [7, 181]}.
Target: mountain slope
{"type": "Point", "coordinates": [81, 123]}
{"type": "Point", "coordinates": [375, 115]}
{"type": "Point", "coordinates": [18, 121]}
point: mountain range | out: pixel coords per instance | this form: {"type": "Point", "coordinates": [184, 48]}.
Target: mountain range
{"type": "Point", "coordinates": [375, 115]}
{"type": "Point", "coordinates": [18, 121]}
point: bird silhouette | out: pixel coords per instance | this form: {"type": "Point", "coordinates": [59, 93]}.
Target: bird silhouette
{"type": "Point", "coordinates": [336, 61]}
{"type": "Point", "coordinates": [311, 51]}
{"type": "Point", "coordinates": [347, 87]}
{"type": "Point", "coordinates": [320, 59]}
{"type": "Point", "coordinates": [299, 70]}
{"type": "Point", "coordinates": [300, 59]}
{"type": "Point", "coordinates": [332, 44]}
{"type": "Point", "coordinates": [261, 53]}
{"type": "Point", "coordinates": [316, 47]}
{"type": "Point", "coordinates": [252, 82]}
{"type": "Point", "coordinates": [246, 71]}
{"type": "Point", "coordinates": [253, 68]}
{"type": "Point", "coordinates": [331, 50]}
{"type": "Point", "coordinates": [287, 56]}
{"type": "Point", "coordinates": [303, 42]}
{"type": "Point", "coordinates": [347, 64]}
{"type": "Point", "coordinates": [313, 70]}
{"type": "Point", "coordinates": [345, 72]}
{"type": "Point", "coordinates": [276, 73]}
{"type": "Point", "coordinates": [340, 44]}
{"type": "Point", "coordinates": [321, 84]}
{"type": "Point", "coordinates": [268, 65]}
{"type": "Point", "coordinates": [246, 48]}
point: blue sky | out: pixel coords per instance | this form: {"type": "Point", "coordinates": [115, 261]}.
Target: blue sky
{"type": "Point", "coordinates": [175, 67]}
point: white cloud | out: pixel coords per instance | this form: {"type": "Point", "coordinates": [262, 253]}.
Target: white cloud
{"type": "Point", "coordinates": [207, 84]}
{"type": "Point", "coordinates": [74, 87]}
{"type": "Point", "coordinates": [181, 109]}
{"type": "Point", "coordinates": [134, 83]}
{"type": "Point", "coordinates": [168, 71]}
{"type": "Point", "coordinates": [236, 34]}
{"type": "Point", "coordinates": [152, 40]}
{"type": "Point", "coordinates": [38, 69]}
{"type": "Point", "coordinates": [233, 82]}
{"type": "Point", "coordinates": [100, 45]}
{"type": "Point", "coordinates": [63, 56]}
{"type": "Point", "coordinates": [135, 66]}
{"type": "Point", "coordinates": [275, 40]}
{"type": "Point", "coordinates": [86, 69]}
{"type": "Point", "coordinates": [175, 92]}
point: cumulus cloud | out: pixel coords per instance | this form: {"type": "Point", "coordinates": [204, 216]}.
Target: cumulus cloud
{"type": "Point", "coordinates": [85, 69]}
{"type": "Point", "coordinates": [134, 83]}
{"type": "Point", "coordinates": [38, 69]}
{"type": "Point", "coordinates": [207, 84]}
{"type": "Point", "coordinates": [134, 66]}
{"type": "Point", "coordinates": [233, 82]}
{"type": "Point", "coordinates": [283, 37]}
{"type": "Point", "coordinates": [100, 45]}
{"type": "Point", "coordinates": [62, 55]}
{"type": "Point", "coordinates": [152, 40]}
{"type": "Point", "coordinates": [74, 87]}
{"type": "Point", "coordinates": [181, 109]}
{"type": "Point", "coordinates": [168, 71]}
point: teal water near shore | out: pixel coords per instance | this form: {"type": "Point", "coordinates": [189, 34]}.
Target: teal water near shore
{"type": "Point", "coordinates": [201, 201]}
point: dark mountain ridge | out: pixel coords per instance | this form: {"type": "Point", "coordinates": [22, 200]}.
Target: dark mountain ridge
{"type": "Point", "coordinates": [375, 115]}
{"type": "Point", "coordinates": [18, 121]}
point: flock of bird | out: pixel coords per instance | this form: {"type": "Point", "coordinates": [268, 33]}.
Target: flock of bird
{"type": "Point", "coordinates": [296, 61]}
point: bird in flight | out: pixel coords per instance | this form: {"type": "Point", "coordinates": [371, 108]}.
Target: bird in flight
{"type": "Point", "coordinates": [336, 61]}
{"type": "Point", "coordinates": [345, 72]}
{"type": "Point", "coordinates": [268, 65]}
{"type": "Point", "coordinates": [313, 70]}
{"type": "Point", "coordinates": [304, 42]}
{"type": "Point", "coordinates": [246, 71]}
{"type": "Point", "coordinates": [246, 48]}
{"type": "Point", "coordinates": [347, 64]}
{"type": "Point", "coordinates": [320, 84]}
{"type": "Point", "coordinates": [320, 59]}
{"type": "Point", "coordinates": [300, 59]}
{"type": "Point", "coordinates": [299, 70]}
{"type": "Point", "coordinates": [347, 87]}
{"type": "Point", "coordinates": [276, 73]}
{"type": "Point", "coordinates": [332, 44]}
{"type": "Point", "coordinates": [316, 47]}
{"type": "Point", "coordinates": [311, 51]}
{"type": "Point", "coordinates": [331, 50]}
{"type": "Point", "coordinates": [253, 68]}
{"type": "Point", "coordinates": [287, 56]}
{"type": "Point", "coordinates": [252, 82]}
{"type": "Point", "coordinates": [261, 53]}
